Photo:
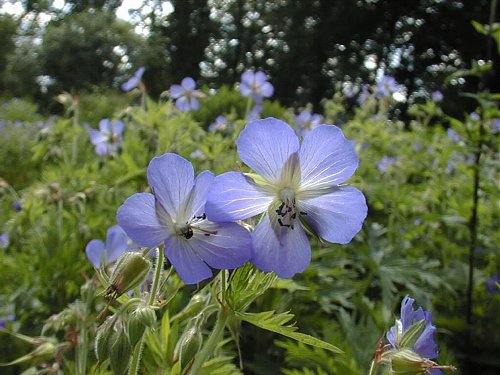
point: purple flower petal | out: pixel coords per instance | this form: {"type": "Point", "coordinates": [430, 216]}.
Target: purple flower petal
{"type": "Point", "coordinates": [130, 84]}
{"type": "Point", "coordinates": [116, 243]}
{"type": "Point", "coordinates": [247, 78]}
{"type": "Point", "coordinates": [118, 127]}
{"type": "Point", "coordinates": [407, 312]}
{"type": "Point", "coordinates": [96, 136]}
{"type": "Point", "coordinates": [259, 78]}
{"type": "Point", "coordinates": [326, 158]}
{"type": "Point", "coordinates": [189, 266]}
{"type": "Point", "coordinates": [171, 177]}
{"type": "Point", "coordinates": [183, 104]}
{"type": "Point", "coordinates": [337, 216]}
{"type": "Point", "coordinates": [104, 126]}
{"type": "Point", "coordinates": [231, 247]}
{"type": "Point", "coordinates": [280, 249]}
{"type": "Point", "coordinates": [138, 217]}
{"type": "Point", "coordinates": [95, 251]}
{"type": "Point", "coordinates": [267, 90]}
{"type": "Point", "coordinates": [233, 196]}
{"type": "Point", "coordinates": [188, 84]}
{"type": "Point", "coordinates": [102, 149]}
{"type": "Point", "coordinates": [195, 204]}
{"type": "Point", "coordinates": [176, 91]}
{"type": "Point", "coordinates": [194, 104]}
{"type": "Point", "coordinates": [266, 145]}
{"type": "Point", "coordinates": [425, 345]}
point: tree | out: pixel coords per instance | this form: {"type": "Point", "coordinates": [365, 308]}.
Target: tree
{"type": "Point", "coordinates": [86, 49]}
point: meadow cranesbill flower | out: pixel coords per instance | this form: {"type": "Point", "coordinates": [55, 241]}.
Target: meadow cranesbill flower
{"type": "Point", "coordinates": [4, 240]}
{"type": "Point", "coordinates": [5, 319]}
{"type": "Point", "coordinates": [108, 138]}
{"type": "Point", "coordinates": [423, 343]}
{"type": "Point", "coordinates": [100, 253]}
{"type": "Point", "coordinates": [186, 96]}
{"type": "Point", "coordinates": [174, 214]}
{"type": "Point", "coordinates": [437, 96]}
{"type": "Point", "coordinates": [295, 184]}
{"type": "Point", "coordinates": [134, 81]}
{"type": "Point", "coordinates": [453, 135]}
{"type": "Point", "coordinates": [495, 125]}
{"type": "Point", "coordinates": [17, 205]}
{"type": "Point", "coordinates": [385, 163]}
{"type": "Point", "coordinates": [364, 94]}
{"type": "Point", "coordinates": [306, 121]}
{"type": "Point", "coordinates": [220, 124]}
{"type": "Point", "coordinates": [386, 86]}
{"type": "Point", "coordinates": [493, 285]}
{"type": "Point", "coordinates": [255, 85]}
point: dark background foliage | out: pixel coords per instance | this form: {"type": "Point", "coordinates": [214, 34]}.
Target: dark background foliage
{"type": "Point", "coordinates": [309, 48]}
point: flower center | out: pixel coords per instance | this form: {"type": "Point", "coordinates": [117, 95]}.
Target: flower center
{"type": "Point", "coordinates": [287, 212]}
{"type": "Point", "coordinates": [188, 228]}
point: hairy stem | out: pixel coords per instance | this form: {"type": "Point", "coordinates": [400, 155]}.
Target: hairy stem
{"type": "Point", "coordinates": [136, 357]}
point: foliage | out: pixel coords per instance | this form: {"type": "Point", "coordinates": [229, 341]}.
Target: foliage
{"type": "Point", "coordinates": [416, 239]}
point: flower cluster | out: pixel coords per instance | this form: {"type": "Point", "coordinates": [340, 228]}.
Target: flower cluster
{"type": "Point", "coordinates": [297, 186]}
{"type": "Point", "coordinates": [108, 138]}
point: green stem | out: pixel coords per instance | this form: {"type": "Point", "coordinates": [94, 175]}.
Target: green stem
{"type": "Point", "coordinates": [136, 357]}
{"type": "Point", "coordinates": [74, 146]}
{"type": "Point", "coordinates": [211, 343]}
{"type": "Point", "coordinates": [157, 276]}
{"type": "Point", "coordinates": [249, 104]}
{"type": "Point", "coordinates": [372, 368]}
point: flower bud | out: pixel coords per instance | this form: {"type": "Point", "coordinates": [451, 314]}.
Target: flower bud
{"type": "Point", "coordinates": [407, 362]}
{"type": "Point", "coordinates": [188, 345]}
{"type": "Point", "coordinates": [102, 339]}
{"type": "Point", "coordinates": [143, 316]}
{"type": "Point", "coordinates": [130, 271]}
{"type": "Point", "coordinates": [120, 351]}
{"type": "Point", "coordinates": [194, 307]}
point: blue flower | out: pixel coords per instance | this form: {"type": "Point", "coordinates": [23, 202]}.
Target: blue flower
{"type": "Point", "coordinates": [100, 253]}
{"type": "Point", "coordinates": [364, 95]}
{"type": "Point", "coordinates": [495, 125]}
{"type": "Point", "coordinates": [386, 86]}
{"type": "Point", "coordinates": [437, 96]}
{"type": "Point", "coordinates": [186, 96]}
{"type": "Point", "coordinates": [220, 124]}
{"type": "Point", "coordinates": [385, 163]}
{"type": "Point", "coordinates": [134, 81]}
{"type": "Point", "coordinates": [175, 214]}
{"type": "Point", "coordinates": [306, 121]}
{"type": "Point", "coordinates": [493, 285]}
{"type": "Point", "coordinates": [17, 205]}
{"type": "Point", "coordinates": [453, 135]}
{"type": "Point", "coordinates": [295, 183]}
{"type": "Point", "coordinates": [108, 138]}
{"type": "Point", "coordinates": [4, 240]}
{"type": "Point", "coordinates": [424, 345]}
{"type": "Point", "coordinates": [5, 319]}
{"type": "Point", "coordinates": [256, 86]}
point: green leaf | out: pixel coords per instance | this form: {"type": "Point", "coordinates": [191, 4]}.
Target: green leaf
{"type": "Point", "coordinates": [494, 31]}
{"type": "Point", "coordinates": [246, 284]}
{"type": "Point", "coordinates": [477, 70]}
{"type": "Point", "coordinates": [277, 323]}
